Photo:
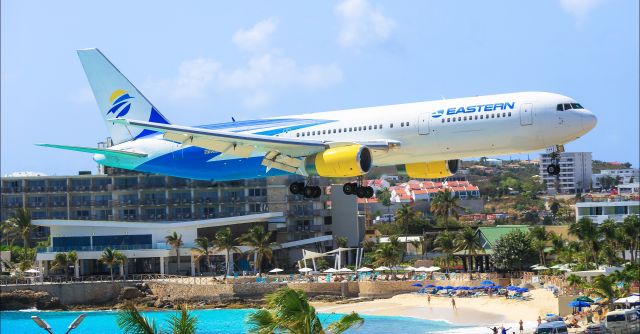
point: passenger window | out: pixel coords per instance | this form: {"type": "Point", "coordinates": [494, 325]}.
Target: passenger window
{"type": "Point", "coordinates": [407, 123]}
{"type": "Point", "coordinates": [476, 117]}
{"type": "Point", "coordinates": [402, 125]}
{"type": "Point", "coordinates": [498, 115]}
{"type": "Point", "coordinates": [303, 134]}
{"type": "Point", "coordinates": [454, 119]}
{"type": "Point", "coordinates": [443, 120]}
{"type": "Point", "coordinates": [509, 114]}
{"type": "Point", "coordinates": [324, 132]}
{"type": "Point", "coordinates": [308, 133]}
{"type": "Point", "coordinates": [375, 127]}
{"type": "Point", "coordinates": [481, 116]}
{"type": "Point", "coordinates": [334, 130]}
{"type": "Point", "coordinates": [493, 116]}
{"type": "Point", "coordinates": [459, 119]}
{"type": "Point", "coordinates": [359, 128]}
{"type": "Point", "coordinates": [504, 114]}
{"type": "Point", "coordinates": [350, 129]}
{"type": "Point", "coordinates": [391, 125]}
{"type": "Point", "coordinates": [298, 134]}
{"type": "Point", "coordinates": [559, 107]}
{"type": "Point", "coordinates": [567, 106]}
{"type": "Point", "coordinates": [370, 127]}
{"type": "Point", "coordinates": [464, 118]}
{"type": "Point", "coordinates": [448, 120]}
{"type": "Point", "coordinates": [380, 126]}
{"type": "Point", "coordinates": [345, 129]}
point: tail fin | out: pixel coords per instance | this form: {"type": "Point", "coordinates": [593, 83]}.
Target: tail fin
{"type": "Point", "coordinates": [117, 97]}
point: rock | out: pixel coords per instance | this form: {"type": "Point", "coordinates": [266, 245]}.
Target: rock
{"type": "Point", "coordinates": [24, 299]}
{"type": "Point", "coordinates": [130, 293]}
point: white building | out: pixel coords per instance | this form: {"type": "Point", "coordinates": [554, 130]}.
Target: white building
{"type": "Point", "coordinates": [575, 172]}
{"type": "Point", "coordinates": [144, 245]}
{"type": "Point", "coordinates": [599, 211]}
{"type": "Point", "coordinates": [624, 176]}
{"type": "Point", "coordinates": [629, 188]}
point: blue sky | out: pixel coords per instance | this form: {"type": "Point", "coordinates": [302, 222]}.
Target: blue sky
{"type": "Point", "coordinates": [204, 62]}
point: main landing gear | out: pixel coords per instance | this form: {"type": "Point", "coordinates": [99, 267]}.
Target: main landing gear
{"type": "Point", "coordinates": [354, 188]}
{"type": "Point", "coordinates": [299, 188]}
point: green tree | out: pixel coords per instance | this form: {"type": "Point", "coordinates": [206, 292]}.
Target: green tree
{"type": "Point", "coordinates": [341, 242]}
{"type": "Point", "coordinates": [631, 229]}
{"type": "Point", "coordinates": [587, 231]}
{"type": "Point", "coordinates": [21, 224]}
{"type": "Point", "coordinates": [607, 182]}
{"type": "Point", "coordinates": [444, 204]}
{"type": "Point", "coordinates": [514, 251]}
{"type": "Point", "coordinates": [417, 244]}
{"type": "Point", "coordinates": [604, 286]}
{"type": "Point", "coordinates": [175, 241]}
{"type": "Point", "coordinates": [60, 261]}
{"type": "Point", "coordinates": [445, 243]}
{"type": "Point", "coordinates": [386, 255]}
{"type": "Point", "coordinates": [260, 242]}
{"type": "Point", "coordinates": [111, 258]}
{"type": "Point", "coordinates": [288, 311]}
{"type": "Point", "coordinates": [384, 197]}
{"type": "Point", "coordinates": [225, 241]}
{"type": "Point", "coordinates": [130, 321]}
{"type": "Point", "coordinates": [539, 242]}
{"type": "Point", "coordinates": [468, 242]}
{"type": "Point", "coordinates": [9, 233]}
{"type": "Point", "coordinates": [204, 248]}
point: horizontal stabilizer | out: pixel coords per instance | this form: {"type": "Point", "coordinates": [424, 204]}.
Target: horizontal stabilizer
{"type": "Point", "coordinates": [96, 150]}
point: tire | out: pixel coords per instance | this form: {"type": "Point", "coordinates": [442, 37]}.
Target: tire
{"type": "Point", "coordinates": [361, 192]}
{"type": "Point", "coordinates": [369, 192]}
{"type": "Point", "coordinates": [317, 192]}
{"type": "Point", "coordinates": [552, 169]}
{"type": "Point", "coordinates": [349, 188]}
{"type": "Point", "coordinates": [309, 191]}
{"type": "Point", "coordinates": [296, 188]}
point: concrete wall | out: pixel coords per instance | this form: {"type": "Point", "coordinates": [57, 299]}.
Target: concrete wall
{"type": "Point", "coordinates": [344, 216]}
{"type": "Point", "coordinates": [77, 293]}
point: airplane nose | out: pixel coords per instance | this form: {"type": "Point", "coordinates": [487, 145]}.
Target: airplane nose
{"type": "Point", "coordinates": [589, 120]}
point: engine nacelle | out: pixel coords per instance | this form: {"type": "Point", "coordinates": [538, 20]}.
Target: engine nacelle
{"type": "Point", "coordinates": [429, 170]}
{"type": "Point", "coordinates": [343, 161]}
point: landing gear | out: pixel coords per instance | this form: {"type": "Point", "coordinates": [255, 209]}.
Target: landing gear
{"type": "Point", "coordinates": [354, 188]}
{"type": "Point", "coordinates": [553, 169]}
{"type": "Point", "coordinates": [299, 188]}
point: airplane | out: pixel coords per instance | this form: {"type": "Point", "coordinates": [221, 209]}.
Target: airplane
{"type": "Point", "coordinates": [422, 140]}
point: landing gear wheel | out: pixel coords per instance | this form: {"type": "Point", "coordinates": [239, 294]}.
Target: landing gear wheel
{"type": "Point", "coordinates": [296, 188]}
{"type": "Point", "coordinates": [316, 192]}
{"type": "Point", "coordinates": [362, 192]}
{"type": "Point", "coordinates": [349, 188]}
{"type": "Point", "coordinates": [553, 169]}
{"type": "Point", "coordinates": [309, 192]}
{"type": "Point", "coordinates": [369, 192]}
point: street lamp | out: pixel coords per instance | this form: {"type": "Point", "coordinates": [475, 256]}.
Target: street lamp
{"type": "Point", "coordinates": [43, 324]}
{"type": "Point", "coordinates": [76, 323]}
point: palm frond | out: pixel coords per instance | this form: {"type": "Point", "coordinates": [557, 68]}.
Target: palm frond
{"type": "Point", "coordinates": [261, 322]}
{"type": "Point", "coordinates": [346, 322]}
{"type": "Point", "coordinates": [183, 322]}
{"type": "Point", "coordinates": [130, 321]}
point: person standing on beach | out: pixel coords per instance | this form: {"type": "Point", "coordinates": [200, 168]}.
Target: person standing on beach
{"type": "Point", "coordinates": [521, 326]}
{"type": "Point", "coordinates": [429, 299]}
{"type": "Point", "coordinates": [494, 329]}
{"type": "Point", "coordinates": [504, 330]}
{"type": "Point", "coordinates": [539, 321]}
{"type": "Point", "coordinates": [453, 303]}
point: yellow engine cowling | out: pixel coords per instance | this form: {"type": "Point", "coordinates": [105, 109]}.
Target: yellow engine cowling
{"type": "Point", "coordinates": [343, 161]}
{"type": "Point", "coordinates": [429, 170]}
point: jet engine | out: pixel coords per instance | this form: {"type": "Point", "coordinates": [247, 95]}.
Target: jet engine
{"type": "Point", "coordinates": [343, 161]}
{"type": "Point", "coordinates": [429, 170]}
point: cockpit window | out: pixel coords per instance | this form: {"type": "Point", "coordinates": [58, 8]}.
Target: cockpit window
{"type": "Point", "coordinates": [559, 107]}
{"type": "Point", "coordinates": [576, 106]}
{"type": "Point", "coordinates": [567, 106]}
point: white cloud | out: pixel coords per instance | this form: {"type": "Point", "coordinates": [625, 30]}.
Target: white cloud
{"type": "Point", "coordinates": [580, 8]}
{"type": "Point", "coordinates": [362, 24]}
{"type": "Point", "coordinates": [265, 74]}
{"type": "Point", "coordinates": [257, 37]}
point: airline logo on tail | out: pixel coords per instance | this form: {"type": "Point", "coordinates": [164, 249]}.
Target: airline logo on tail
{"type": "Point", "coordinates": [120, 103]}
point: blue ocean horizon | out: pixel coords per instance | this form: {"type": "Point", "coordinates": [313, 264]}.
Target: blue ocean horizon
{"type": "Point", "coordinates": [219, 321]}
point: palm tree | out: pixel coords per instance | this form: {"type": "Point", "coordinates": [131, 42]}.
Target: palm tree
{"type": "Point", "coordinates": [386, 255]}
{"type": "Point", "coordinates": [587, 232]}
{"type": "Point", "coordinates": [445, 243]}
{"type": "Point", "coordinates": [417, 244]}
{"type": "Point", "coordinates": [61, 261]}
{"type": "Point", "coordinates": [469, 242]}
{"type": "Point", "coordinates": [21, 224]}
{"type": "Point", "coordinates": [204, 247]}
{"type": "Point", "coordinates": [444, 204]}
{"type": "Point", "coordinates": [604, 286]}
{"type": "Point", "coordinates": [384, 197]}
{"type": "Point", "coordinates": [9, 232]}
{"type": "Point", "coordinates": [111, 258]}
{"type": "Point", "coordinates": [224, 240]}
{"type": "Point", "coordinates": [575, 281]}
{"type": "Point", "coordinates": [121, 260]}
{"type": "Point", "coordinates": [261, 246]}
{"type": "Point", "coordinates": [406, 215]}
{"type": "Point", "coordinates": [342, 242]}
{"type": "Point", "coordinates": [631, 228]}
{"type": "Point", "coordinates": [539, 246]}
{"type": "Point", "coordinates": [130, 321]}
{"type": "Point", "coordinates": [288, 311]}
{"type": "Point", "coordinates": [175, 241]}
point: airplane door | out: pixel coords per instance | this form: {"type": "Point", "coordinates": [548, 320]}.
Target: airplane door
{"type": "Point", "coordinates": [526, 114]}
{"type": "Point", "coordinates": [423, 126]}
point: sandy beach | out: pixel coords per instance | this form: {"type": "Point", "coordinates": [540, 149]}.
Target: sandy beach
{"type": "Point", "coordinates": [478, 311]}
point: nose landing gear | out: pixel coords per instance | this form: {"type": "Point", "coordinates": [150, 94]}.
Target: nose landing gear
{"type": "Point", "coordinates": [299, 188]}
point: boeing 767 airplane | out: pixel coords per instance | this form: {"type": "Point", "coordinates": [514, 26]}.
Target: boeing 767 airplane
{"type": "Point", "coordinates": [422, 140]}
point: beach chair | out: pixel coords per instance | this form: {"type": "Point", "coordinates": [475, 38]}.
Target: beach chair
{"type": "Point", "coordinates": [235, 275]}
{"type": "Point", "coordinates": [291, 278]}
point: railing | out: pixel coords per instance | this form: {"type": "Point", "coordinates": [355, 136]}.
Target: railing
{"type": "Point", "coordinates": [95, 248]}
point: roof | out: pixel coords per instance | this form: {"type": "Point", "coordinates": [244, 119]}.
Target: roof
{"type": "Point", "coordinates": [492, 234]}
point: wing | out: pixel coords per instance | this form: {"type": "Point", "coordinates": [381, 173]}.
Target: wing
{"type": "Point", "coordinates": [281, 153]}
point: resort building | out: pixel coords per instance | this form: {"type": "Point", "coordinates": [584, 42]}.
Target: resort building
{"type": "Point", "coordinates": [600, 209]}
{"type": "Point", "coordinates": [575, 172]}
{"type": "Point", "coordinates": [488, 237]}
{"type": "Point", "coordinates": [623, 176]}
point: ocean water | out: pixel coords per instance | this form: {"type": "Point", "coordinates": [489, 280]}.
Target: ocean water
{"type": "Point", "coordinates": [210, 322]}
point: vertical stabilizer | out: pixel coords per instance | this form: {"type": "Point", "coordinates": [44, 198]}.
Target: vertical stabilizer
{"type": "Point", "coordinates": [117, 97]}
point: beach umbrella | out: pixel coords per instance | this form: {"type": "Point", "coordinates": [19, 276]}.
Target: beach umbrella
{"type": "Point", "coordinates": [422, 269]}
{"type": "Point", "coordinates": [276, 270]}
{"type": "Point", "coordinates": [416, 284]}
{"type": "Point", "coordinates": [634, 298]}
{"type": "Point", "coordinates": [584, 299]}
{"type": "Point", "coordinates": [439, 287]}
{"type": "Point", "coordinates": [435, 268]}
{"type": "Point", "coordinates": [410, 268]}
{"type": "Point", "coordinates": [382, 268]}
{"type": "Point", "coordinates": [540, 268]}
{"type": "Point", "coordinates": [32, 271]}
{"type": "Point", "coordinates": [330, 271]}
{"type": "Point", "coordinates": [429, 286]}
{"type": "Point", "coordinates": [364, 269]}
{"type": "Point", "coordinates": [345, 270]}
{"type": "Point", "coordinates": [557, 266]}
{"type": "Point", "coordinates": [487, 282]}
{"type": "Point", "coordinates": [397, 268]}
{"type": "Point", "coordinates": [578, 304]}
{"type": "Point", "coordinates": [449, 287]}
{"type": "Point", "coordinates": [305, 270]}
{"type": "Point", "coordinates": [511, 287]}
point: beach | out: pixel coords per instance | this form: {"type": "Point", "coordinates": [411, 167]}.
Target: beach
{"type": "Point", "coordinates": [477, 311]}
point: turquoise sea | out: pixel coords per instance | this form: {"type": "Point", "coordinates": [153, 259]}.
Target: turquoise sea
{"type": "Point", "coordinates": [210, 322]}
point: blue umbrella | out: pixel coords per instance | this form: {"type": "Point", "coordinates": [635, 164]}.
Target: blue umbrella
{"type": "Point", "coordinates": [523, 290]}
{"type": "Point", "coordinates": [487, 282]}
{"type": "Point", "coordinates": [439, 287]}
{"type": "Point", "coordinates": [464, 288]}
{"type": "Point", "coordinates": [578, 304]}
{"type": "Point", "coordinates": [448, 287]}
{"type": "Point", "coordinates": [497, 287]}
{"type": "Point", "coordinates": [416, 284]}
{"type": "Point", "coordinates": [429, 286]}
{"type": "Point", "coordinates": [511, 287]}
